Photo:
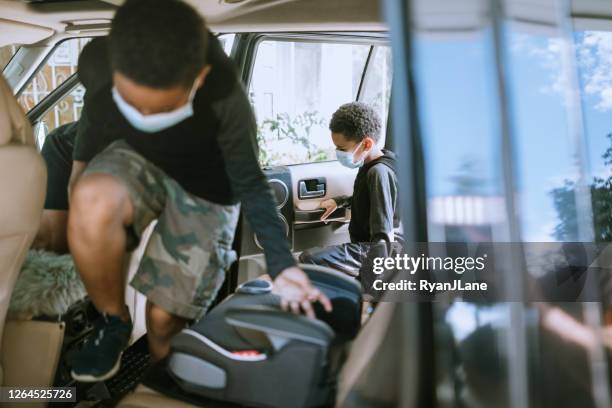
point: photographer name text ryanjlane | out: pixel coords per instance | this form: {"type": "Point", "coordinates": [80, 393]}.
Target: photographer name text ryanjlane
{"type": "Point", "coordinates": [425, 285]}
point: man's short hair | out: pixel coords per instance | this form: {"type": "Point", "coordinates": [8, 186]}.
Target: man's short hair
{"type": "Point", "coordinates": [158, 43]}
{"type": "Point", "coordinates": [356, 121]}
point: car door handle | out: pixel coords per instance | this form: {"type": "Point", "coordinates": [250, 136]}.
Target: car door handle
{"type": "Point", "coordinates": [318, 191]}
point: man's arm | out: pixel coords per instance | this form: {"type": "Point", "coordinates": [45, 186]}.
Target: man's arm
{"type": "Point", "coordinates": [237, 140]}
{"type": "Point", "coordinates": [383, 200]}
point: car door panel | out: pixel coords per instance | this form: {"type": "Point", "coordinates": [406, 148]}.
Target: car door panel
{"type": "Point", "coordinates": [339, 181]}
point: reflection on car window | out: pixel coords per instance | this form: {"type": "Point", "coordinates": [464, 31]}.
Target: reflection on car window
{"type": "Point", "coordinates": [295, 88]}
{"type": "Point", "coordinates": [594, 55]}
{"type": "Point", "coordinates": [60, 65]}
{"type": "Point", "coordinates": [462, 118]}
{"type": "Point", "coordinates": [6, 53]}
{"type": "Point", "coordinates": [464, 196]}
{"type": "Point", "coordinates": [539, 82]}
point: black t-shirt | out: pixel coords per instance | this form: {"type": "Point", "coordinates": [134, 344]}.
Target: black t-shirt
{"type": "Point", "coordinates": [190, 151]}
{"type": "Point", "coordinates": [57, 152]}
{"type": "Point", "coordinates": [212, 154]}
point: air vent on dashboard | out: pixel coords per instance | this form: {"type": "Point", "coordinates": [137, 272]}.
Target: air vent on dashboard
{"type": "Point", "coordinates": [285, 224]}
{"type": "Point", "coordinates": [281, 192]}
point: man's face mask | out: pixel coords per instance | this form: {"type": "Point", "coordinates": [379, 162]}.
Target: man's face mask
{"type": "Point", "coordinates": [158, 121]}
{"type": "Point", "coordinates": [347, 159]}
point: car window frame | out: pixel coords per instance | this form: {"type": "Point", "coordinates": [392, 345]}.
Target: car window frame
{"type": "Point", "coordinates": [35, 72]}
{"type": "Point", "coordinates": [49, 101]}
{"type": "Point", "coordinates": [17, 48]}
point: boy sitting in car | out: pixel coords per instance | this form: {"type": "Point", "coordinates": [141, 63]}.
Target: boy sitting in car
{"type": "Point", "coordinates": [355, 130]}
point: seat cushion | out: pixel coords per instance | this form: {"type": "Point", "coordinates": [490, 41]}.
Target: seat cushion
{"type": "Point", "coordinates": [47, 286]}
{"type": "Point", "coordinates": [22, 193]}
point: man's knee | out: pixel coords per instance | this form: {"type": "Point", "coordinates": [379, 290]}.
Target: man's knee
{"type": "Point", "coordinates": [96, 201]}
{"type": "Point", "coordinates": [314, 256]}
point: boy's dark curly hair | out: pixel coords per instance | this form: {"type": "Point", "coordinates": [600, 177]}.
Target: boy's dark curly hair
{"type": "Point", "coordinates": [356, 121]}
{"type": "Point", "coordinates": [158, 43]}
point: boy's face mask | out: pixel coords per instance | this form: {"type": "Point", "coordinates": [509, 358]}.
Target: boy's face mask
{"type": "Point", "coordinates": [347, 159]}
{"type": "Point", "coordinates": [158, 121]}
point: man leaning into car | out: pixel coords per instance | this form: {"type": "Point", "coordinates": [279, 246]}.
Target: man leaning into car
{"type": "Point", "coordinates": [171, 137]}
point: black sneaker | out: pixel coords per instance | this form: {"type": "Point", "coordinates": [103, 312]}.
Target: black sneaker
{"type": "Point", "coordinates": [100, 357]}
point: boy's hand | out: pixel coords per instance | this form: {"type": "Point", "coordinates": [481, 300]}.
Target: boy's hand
{"type": "Point", "coordinates": [297, 293]}
{"type": "Point", "coordinates": [329, 206]}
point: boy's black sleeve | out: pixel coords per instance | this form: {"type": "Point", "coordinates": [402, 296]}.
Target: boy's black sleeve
{"type": "Point", "coordinates": [237, 139]}
{"type": "Point", "coordinates": [382, 183]}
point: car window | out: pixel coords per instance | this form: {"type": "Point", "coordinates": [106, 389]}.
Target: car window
{"type": "Point", "coordinates": [297, 85]}
{"type": "Point", "coordinates": [227, 42]}
{"type": "Point", "coordinates": [59, 66]}
{"type": "Point", "coordinates": [6, 53]}
{"type": "Point", "coordinates": [376, 88]}
{"type": "Point", "coordinates": [66, 110]}
{"type": "Point", "coordinates": [473, 176]}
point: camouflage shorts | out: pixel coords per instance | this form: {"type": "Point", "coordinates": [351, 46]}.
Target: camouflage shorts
{"type": "Point", "coordinates": [189, 251]}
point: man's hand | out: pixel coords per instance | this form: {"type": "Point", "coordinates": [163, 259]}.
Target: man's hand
{"type": "Point", "coordinates": [329, 206]}
{"type": "Point", "coordinates": [297, 293]}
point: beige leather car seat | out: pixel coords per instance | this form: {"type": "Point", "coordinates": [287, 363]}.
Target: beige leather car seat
{"type": "Point", "coordinates": [22, 191]}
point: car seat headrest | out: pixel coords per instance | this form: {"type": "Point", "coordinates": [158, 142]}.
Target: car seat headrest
{"type": "Point", "coordinates": [94, 67]}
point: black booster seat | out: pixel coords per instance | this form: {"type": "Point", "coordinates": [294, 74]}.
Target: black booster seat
{"type": "Point", "coordinates": [248, 351]}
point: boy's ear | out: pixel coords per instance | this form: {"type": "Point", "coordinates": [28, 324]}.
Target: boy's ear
{"type": "Point", "coordinates": [368, 142]}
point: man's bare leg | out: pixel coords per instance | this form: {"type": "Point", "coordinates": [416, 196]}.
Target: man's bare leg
{"type": "Point", "coordinates": [100, 209]}
{"type": "Point", "coordinates": [161, 327]}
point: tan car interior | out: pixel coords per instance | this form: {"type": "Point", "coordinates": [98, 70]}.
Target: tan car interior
{"type": "Point", "coordinates": [22, 172]}
{"type": "Point", "coordinates": [23, 181]}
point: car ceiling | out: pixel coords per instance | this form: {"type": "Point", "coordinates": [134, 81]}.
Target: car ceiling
{"type": "Point", "coordinates": [28, 23]}
{"type": "Point", "coordinates": [40, 20]}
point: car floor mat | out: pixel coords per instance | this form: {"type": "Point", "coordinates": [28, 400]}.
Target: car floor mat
{"type": "Point", "coordinates": [134, 363]}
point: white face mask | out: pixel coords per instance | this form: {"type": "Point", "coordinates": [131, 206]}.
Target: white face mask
{"type": "Point", "coordinates": [157, 121]}
{"type": "Point", "coordinates": [347, 158]}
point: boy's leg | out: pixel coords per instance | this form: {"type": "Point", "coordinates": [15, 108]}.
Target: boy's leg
{"type": "Point", "coordinates": [184, 263]}
{"type": "Point", "coordinates": [346, 258]}
{"type": "Point", "coordinates": [118, 189]}
{"type": "Point", "coordinates": [161, 327]}
{"type": "Point", "coordinates": [101, 211]}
